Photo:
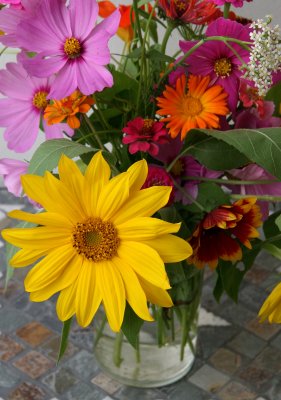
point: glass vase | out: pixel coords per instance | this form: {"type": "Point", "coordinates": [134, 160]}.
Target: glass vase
{"type": "Point", "coordinates": [165, 349]}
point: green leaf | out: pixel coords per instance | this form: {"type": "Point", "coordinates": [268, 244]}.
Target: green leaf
{"type": "Point", "coordinates": [274, 94]}
{"type": "Point", "coordinates": [218, 289]}
{"type": "Point", "coordinates": [47, 156]}
{"type": "Point", "coordinates": [213, 153]}
{"type": "Point", "coordinates": [124, 87]}
{"type": "Point", "coordinates": [154, 54]}
{"type": "Point", "coordinates": [210, 196]}
{"type": "Point", "coordinates": [231, 278]}
{"type": "Point", "coordinates": [273, 250]}
{"type": "Point", "coordinates": [64, 338]}
{"type": "Point", "coordinates": [11, 250]}
{"type": "Point", "coordinates": [131, 326]}
{"type": "Point", "coordinates": [262, 146]}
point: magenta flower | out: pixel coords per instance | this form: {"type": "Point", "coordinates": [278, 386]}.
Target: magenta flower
{"type": "Point", "coordinates": [11, 170]}
{"type": "Point", "coordinates": [253, 172]}
{"type": "Point", "coordinates": [13, 3]}
{"type": "Point", "coordinates": [22, 108]}
{"type": "Point", "coordinates": [214, 58]}
{"type": "Point", "coordinates": [235, 3]}
{"type": "Point", "coordinates": [11, 17]}
{"type": "Point", "coordinates": [144, 135]}
{"type": "Point", "coordinates": [69, 45]}
{"type": "Point", "coordinates": [158, 176]}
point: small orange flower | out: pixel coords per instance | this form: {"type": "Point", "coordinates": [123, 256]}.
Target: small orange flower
{"type": "Point", "coordinates": [216, 235]}
{"type": "Point", "coordinates": [192, 105]}
{"type": "Point", "coordinates": [67, 108]}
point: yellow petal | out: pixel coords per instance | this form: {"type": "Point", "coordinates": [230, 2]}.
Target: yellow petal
{"type": "Point", "coordinates": [272, 303]}
{"type": "Point", "coordinates": [88, 295]}
{"type": "Point", "coordinates": [66, 302]}
{"type": "Point", "coordinates": [143, 203]}
{"type": "Point", "coordinates": [113, 196]}
{"type": "Point", "coordinates": [156, 295]}
{"type": "Point", "coordinates": [134, 292]}
{"type": "Point", "coordinates": [61, 264]}
{"type": "Point", "coordinates": [171, 248]}
{"type": "Point", "coordinates": [145, 261]}
{"type": "Point", "coordinates": [113, 293]}
{"type": "Point", "coordinates": [145, 228]}
{"type": "Point", "coordinates": [45, 218]}
{"type": "Point", "coordinates": [96, 177]}
{"type": "Point", "coordinates": [38, 238]}
{"type": "Point", "coordinates": [26, 257]}
{"type": "Point", "coordinates": [34, 187]}
{"type": "Point", "coordinates": [137, 173]}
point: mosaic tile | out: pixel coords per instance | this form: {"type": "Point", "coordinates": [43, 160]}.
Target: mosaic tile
{"type": "Point", "coordinates": [257, 275]}
{"type": "Point", "coordinates": [180, 390]}
{"type": "Point", "coordinates": [8, 348]}
{"type": "Point", "coordinates": [8, 376]}
{"type": "Point", "coordinates": [276, 342]}
{"type": "Point", "coordinates": [267, 261]}
{"type": "Point", "coordinates": [11, 319]}
{"type": "Point", "coordinates": [269, 360]}
{"type": "Point", "coordinates": [235, 391]}
{"type": "Point", "coordinates": [274, 391]}
{"type": "Point", "coordinates": [51, 348]}
{"type": "Point", "coordinates": [83, 337]}
{"type": "Point", "coordinates": [34, 333]}
{"type": "Point", "coordinates": [27, 391]}
{"type": "Point", "coordinates": [210, 319]}
{"type": "Point", "coordinates": [211, 338]}
{"type": "Point", "coordinates": [83, 364]}
{"type": "Point", "coordinates": [209, 379]}
{"type": "Point", "coordinates": [248, 344]}
{"type": "Point", "coordinates": [238, 314]}
{"type": "Point", "coordinates": [253, 296]}
{"type": "Point", "coordinates": [60, 381]}
{"type": "Point", "coordinates": [84, 392]}
{"type": "Point", "coordinates": [107, 384]}
{"type": "Point", "coordinates": [255, 376]}
{"type": "Point", "coordinates": [131, 393]}
{"type": "Point", "coordinates": [13, 290]}
{"type": "Point", "coordinates": [264, 330]}
{"type": "Point", "coordinates": [226, 361]}
{"type": "Point", "coordinates": [33, 364]}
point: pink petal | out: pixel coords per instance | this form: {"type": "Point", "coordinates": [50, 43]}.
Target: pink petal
{"type": "Point", "coordinates": [15, 83]}
{"type": "Point", "coordinates": [65, 82]}
{"type": "Point", "coordinates": [83, 15]}
{"type": "Point", "coordinates": [10, 109]}
{"type": "Point", "coordinates": [56, 131]}
{"type": "Point", "coordinates": [93, 78]}
{"type": "Point", "coordinates": [43, 67]}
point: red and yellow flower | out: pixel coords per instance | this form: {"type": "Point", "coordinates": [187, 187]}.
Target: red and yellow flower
{"type": "Point", "coordinates": [67, 108]}
{"type": "Point", "coordinates": [216, 236]}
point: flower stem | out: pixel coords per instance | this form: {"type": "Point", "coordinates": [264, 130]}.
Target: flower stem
{"type": "Point", "coordinates": [117, 359]}
{"type": "Point", "coordinates": [259, 197]}
{"type": "Point", "coordinates": [226, 9]}
{"type": "Point", "coordinates": [100, 331]}
{"type": "Point", "coordinates": [188, 196]}
{"type": "Point", "coordinates": [229, 181]}
{"type": "Point", "coordinates": [166, 37]}
{"type": "Point", "coordinates": [90, 125]}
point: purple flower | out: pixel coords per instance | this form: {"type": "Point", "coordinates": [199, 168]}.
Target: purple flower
{"type": "Point", "coordinates": [253, 172]}
{"type": "Point", "coordinates": [69, 45]}
{"type": "Point", "coordinates": [251, 119]}
{"type": "Point", "coordinates": [235, 3]}
{"type": "Point", "coordinates": [214, 58]}
{"type": "Point", "coordinates": [11, 17]}
{"type": "Point", "coordinates": [11, 170]}
{"type": "Point", "coordinates": [22, 108]}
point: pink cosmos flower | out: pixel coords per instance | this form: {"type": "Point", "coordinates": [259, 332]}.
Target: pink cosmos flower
{"type": "Point", "coordinates": [144, 135]}
{"type": "Point", "coordinates": [235, 3]}
{"type": "Point", "coordinates": [69, 45]}
{"type": "Point", "coordinates": [214, 58]}
{"type": "Point", "coordinates": [11, 17]}
{"type": "Point", "coordinates": [158, 176]}
{"type": "Point", "coordinates": [22, 108]}
{"type": "Point", "coordinates": [12, 3]}
{"type": "Point", "coordinates": [253, 172]}
{"type": "Point", "coordinates": [11, 170]}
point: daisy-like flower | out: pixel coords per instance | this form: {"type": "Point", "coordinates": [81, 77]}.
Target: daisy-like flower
{"type": "Point", "coordinates": [196, 12]}
{"type": "Point", "coordinates": [216, 59]}
{"type": "Point", "coordinates": [69, 45]}
{"type": "Point", "coordinates": [144, 135]}
{"type": "Point", "coordinates": [67, 108]}
{"type": "Point", "coordinates": [271, 308]}
{"type": "Point", "coordinates": [97, 242]}
{"type": "Point", "coordinates": [215, 237]}
{"type": "Point", "coordinates": [125, 30]}
{"type": "Point", "coordinates": [13, 3]}
{"type": "Point", "coordinates": [192, 105]}
{"type": "Point", "coordinates": [11, 170]}
{"type": "Point", "coordinates": [21, 110]}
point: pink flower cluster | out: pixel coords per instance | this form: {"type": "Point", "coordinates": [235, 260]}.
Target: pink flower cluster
{"type": "Point", "coordinates": [235, 3]}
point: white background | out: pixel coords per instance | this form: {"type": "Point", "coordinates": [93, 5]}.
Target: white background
{"type": "Point", "coordinates": [255, 9]}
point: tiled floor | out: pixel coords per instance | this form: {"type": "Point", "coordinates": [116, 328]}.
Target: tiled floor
{"type": "Point", "coordinates": [238, 358]}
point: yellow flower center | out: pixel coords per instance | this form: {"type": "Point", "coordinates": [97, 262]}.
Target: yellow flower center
{"type": "Point", "coordinates": [72, 47]}
{"type": "Point", "coordinates": [40, 100]}
{"type": "Point", "coordinates": [178, 168]}
{"type": "Point", "coordinates": [147, 125]}
{"type": "Point", "coordinates": [192, 106]}
{"type": "Point", "coordinates": [223, 67]}
{"type": "Point", "coordinates": [180, 5]}
{"type": "Point", "coordinates": [95, 239]}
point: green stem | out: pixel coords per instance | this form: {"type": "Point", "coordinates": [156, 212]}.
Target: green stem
{"type": "Point", "coordinates": [259, 197]}
{"type": "Point", "coordinates": [3, 51]}
{"type": "Point", "coordinates": [188, 196]}
{"type": "Point", "coordinates": [117, 359]}
{"type": "Point", "coordinates": [100, 114]}
{"type": "Point", "coordinates": [160, 327]}
{"type": "Point", "coordinates": [226, 10]}
{"type": "Point", "coordinates": [137, 21]}
{"type": "Point", "coordinates": [90, 125]}
{"type": "Point", "coordinates": [100, 331]}
{"type": "Point", "coordinates": [98, 133]}
{"type": "Point", "coordinates": [172, 324]}
{"type": "Point", "coordinates": [166, 37]}
{"type": "Point", "coordinates": [229, 181]}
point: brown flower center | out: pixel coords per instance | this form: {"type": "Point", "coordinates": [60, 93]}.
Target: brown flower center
{"type": "Point", "coordinates": [192, 106]}
{"type": "Point", "coordinates": [180, 5]}
{"type": "Point", "coordinates": [178, 168]}
{"type": "Point", "coordinates": [40, 100]}
{"type": "Point", "coordinates": [72, 47]}
{"type": "Point", "coordinates": [96, 240]}
{"type": "Point", "coordinates": [147, 125]}
{"type": "Point", "coordinates": [223, 67]}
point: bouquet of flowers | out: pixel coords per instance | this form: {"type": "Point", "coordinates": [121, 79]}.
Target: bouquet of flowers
{"type": "Point", "coordinates": [156, 162]}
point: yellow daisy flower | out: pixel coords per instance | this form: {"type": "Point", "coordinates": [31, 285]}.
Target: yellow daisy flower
{"type": "Point", "coordinates": [97, 241]}
{"type": "Point", "coordinates": [271, 308]}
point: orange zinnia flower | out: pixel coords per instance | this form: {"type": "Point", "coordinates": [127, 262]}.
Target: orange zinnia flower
{"type": "Point", "coordinates": [192, 105]}
{"type": "Point", "coordinates": [67, 108]}
{"type": "Point", "coordinates": [215, 236]}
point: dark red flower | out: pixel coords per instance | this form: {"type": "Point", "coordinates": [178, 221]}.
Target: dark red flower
{"type": "Point", "coordinates": [216, 236]}
{"type": "Point", "coordinates": [145, 135]}
{"type": "Point", "coordinates": [158, 176]}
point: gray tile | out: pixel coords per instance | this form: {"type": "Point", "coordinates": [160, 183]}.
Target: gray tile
{"type": "Point", "coordinates": [131, 393]}
{"type": "Point", "coordinates": [209, 379]}
{"type": "Point", "coordinates": [211, 338]}
{"type": "Point", "coordinates": [247, 344]}
{"type": "Point", "coordinates": [60, 381]}
{"type": "Point", "coordinates": [11, 319]}
{"type": "Point", "coordinates": [9, 377]}
{"type": "Point", "coordinates": [83, 364]}
{"type": "Point", "coordinates": [253, 296]}
{"type": "Point", "coordinates": [270, 360]}
{"type": "Point", "coordinates": [82, 391]}
{"type": "Point", "coordinates": [274, 391]}
{"type": "Point", "coordinates": [238, 314]}
{"type": "Point", "coordinates": [185, 390]}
